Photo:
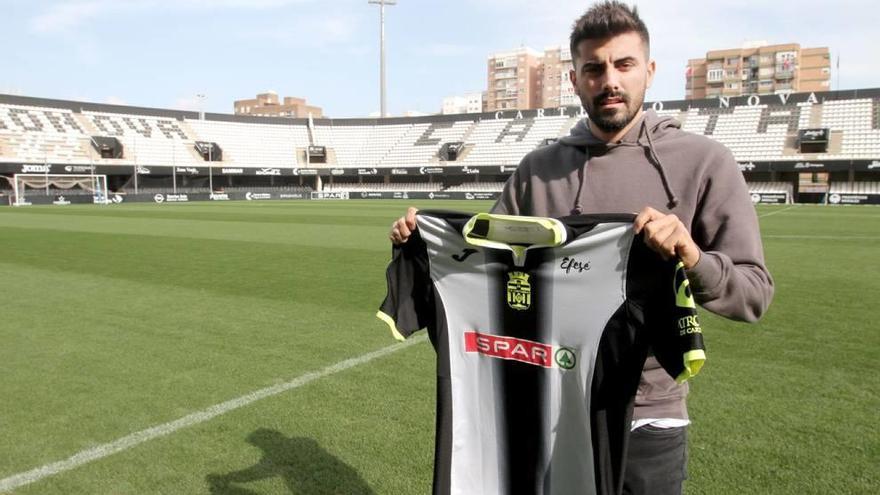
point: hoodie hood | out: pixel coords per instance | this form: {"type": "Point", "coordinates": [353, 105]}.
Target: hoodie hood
{"type": "Point", "coordinates": [651, 128]}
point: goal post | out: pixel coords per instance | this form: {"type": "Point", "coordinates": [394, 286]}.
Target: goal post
{"type": "Point", "coordinates": [32, 185]}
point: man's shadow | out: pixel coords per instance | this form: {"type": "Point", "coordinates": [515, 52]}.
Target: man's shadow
{"type": "Point", "coordinates": [304, 466]}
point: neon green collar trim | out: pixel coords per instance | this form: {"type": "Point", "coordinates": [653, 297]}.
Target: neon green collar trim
{"type": "Point", "coordinates": [517, 234]}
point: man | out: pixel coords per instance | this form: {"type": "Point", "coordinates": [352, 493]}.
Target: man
{"type": "Point", "coordinates": [692, 200]}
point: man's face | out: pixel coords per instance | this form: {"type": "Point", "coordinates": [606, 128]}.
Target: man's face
{"type": "Point", "coordinates": [611, 77]}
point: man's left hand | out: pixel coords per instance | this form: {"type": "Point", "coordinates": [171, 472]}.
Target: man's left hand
{"type": "Point", "coordinates": [667, 235]}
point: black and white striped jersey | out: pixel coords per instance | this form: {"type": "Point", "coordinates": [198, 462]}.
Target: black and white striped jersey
{"type": "Point", "coordinates": [541, 328]}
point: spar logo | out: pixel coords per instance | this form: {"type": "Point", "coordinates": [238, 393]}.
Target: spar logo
{"type": "Point", "coordinates": [519, 291]}
{"type": "Point", "coordinates": [524, 351]}
{"type": "Point", "coordinates": [565, 358]}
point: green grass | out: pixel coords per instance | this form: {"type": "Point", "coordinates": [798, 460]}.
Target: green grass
{"type": "Point", "coordinates": [119, 318]}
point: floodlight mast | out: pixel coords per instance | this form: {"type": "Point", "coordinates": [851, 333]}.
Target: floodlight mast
{"type": "Point", "coordinates": [201, 98]}
{"type": "Point", "coordinates": [382, 4]}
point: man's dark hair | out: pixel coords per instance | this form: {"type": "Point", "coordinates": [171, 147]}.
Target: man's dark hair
{"type": "Point", "coordinates": [606, 20]}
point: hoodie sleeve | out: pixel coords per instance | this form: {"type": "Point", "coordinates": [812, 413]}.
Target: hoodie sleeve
{"type": "Point", "coordinates": [730, 279]}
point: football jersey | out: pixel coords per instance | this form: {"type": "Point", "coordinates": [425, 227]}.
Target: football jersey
{"type": "Point", "coordinates": [541, 328]}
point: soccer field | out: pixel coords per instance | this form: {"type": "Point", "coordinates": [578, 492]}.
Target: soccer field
{"type": "Point", "coordinates": [232, 348]}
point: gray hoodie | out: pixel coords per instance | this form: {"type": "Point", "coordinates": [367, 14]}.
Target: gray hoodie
{"type": "Point", "coordinates": [657, 164]}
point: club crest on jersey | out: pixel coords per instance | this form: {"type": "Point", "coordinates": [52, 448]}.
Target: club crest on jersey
{"type": "Point", "coordinates": [519, 291]}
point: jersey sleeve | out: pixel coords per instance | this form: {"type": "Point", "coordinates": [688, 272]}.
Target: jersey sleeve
{"type": "Point", "coordinates": [670, 313]}
{"type": "Point", "coordinates": [678, 338]}
{"type": "Point", "coordinates": [408, 305]}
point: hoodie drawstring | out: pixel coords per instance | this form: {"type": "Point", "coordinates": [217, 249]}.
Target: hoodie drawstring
{"type": "Point", "coordinates": [670, 194]}
{"type": "Point", "coordinates": [577, 210]}
{"type": "Point", "coordinates": [654, 158]}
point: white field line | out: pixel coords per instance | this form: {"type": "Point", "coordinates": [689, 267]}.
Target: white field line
{"type": "Point", "coordinates": [137, 438]}
{"type": "Point", "coordinates": [777, 211]}
{"type": "Point", "coordinates": [824, 237]}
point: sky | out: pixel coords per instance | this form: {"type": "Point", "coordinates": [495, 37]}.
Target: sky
{"type": "Point", "coordinates": [162, 53]}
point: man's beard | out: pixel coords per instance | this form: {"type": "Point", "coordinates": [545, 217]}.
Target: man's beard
{"type": "Point", "coordinates": [615, 121]}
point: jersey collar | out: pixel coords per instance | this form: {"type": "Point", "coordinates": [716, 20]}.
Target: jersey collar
{"type": "Point", "coordinates": [517, 234]}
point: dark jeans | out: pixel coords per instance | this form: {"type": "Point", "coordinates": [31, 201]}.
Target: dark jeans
{"type": "Point", "coordinates": [656, 462]}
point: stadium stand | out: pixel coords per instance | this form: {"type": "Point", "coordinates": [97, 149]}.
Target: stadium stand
{"type": "Point", "coordinates": [302, 189]}
{"type": "Point", "coordinates": [253, 145]}
{"type": "Point", "coordinates": [44, 134]}
{"type": "Point", "coordinates": [506, 141]}
{"type": "Point", "coordinates": [417, 186]}
{"type": "Point", "coordinates": [854, 193]}
{"type": "Point", "coordinates": [856, 120]}
{"type": "Point", "coordinates": [855, 188]}
{"type": "Point", "coordinates": [54, 136]}
{"type": "Point", "coordinates": [420, 147]}
{"type": "Point", "coordinates": [145, 140]}
{"type": "Point", "coordinates": [478, 186]}
{"type": "Point", "coordinates": [359, 145]}
{"type": "Point", "coordinates": [771, 189]}
{"type": "Point", "coordinates": [740, 129]}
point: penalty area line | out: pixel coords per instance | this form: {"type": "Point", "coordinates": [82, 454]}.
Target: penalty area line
{"type": "Point", "coordinates": [139, 437]}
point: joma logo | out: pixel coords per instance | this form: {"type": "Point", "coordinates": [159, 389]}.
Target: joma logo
{"type": "Point", "coordinates": [464, 255]}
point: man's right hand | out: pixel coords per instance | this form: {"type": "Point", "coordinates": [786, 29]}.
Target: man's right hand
{"type": "Point", "coordinates": [403, 227]}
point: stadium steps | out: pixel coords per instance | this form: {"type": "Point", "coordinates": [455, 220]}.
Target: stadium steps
{"type": "Point", "coordinates": [875, 116]}
{"type": "Point", "coordinates": [571, 122]}
{"type": "Point", "coordinates": [191, 147]}
{"type": "Point", "coordinates": [91, 154]}
{"type": "Point", "coordinates": [301, 156]}
{"type": "Point", "coordinates": [681, 117]}
{"type": "Point", "coordinates": [463, 152]}
{"type": "Point", "coordinates": [790, 147]}
{"type": "Point", "coordinates": [85, 146]}
{"type": "Point", "coordinates": [331, 156]}
{"type": "Point", "coordinates": [310, 130]}
{"type": "Point", "coordinates": [835, 142]}
{"type": "Point", "coordinates": [467, 133]}
{"type": "Point", "coordinates": [566, 125]}
{"type": "Point", "coordinates": [816, 116]}
{"type": "Point", "coordinates": [85, 124]}
{"type": "Point", "coordinates": [190, 144]}
{"type": "Point", "coordinates": [394, 144]}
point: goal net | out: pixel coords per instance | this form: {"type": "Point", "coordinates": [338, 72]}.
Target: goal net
{"type": "Point", "coordinates": [29, 186]}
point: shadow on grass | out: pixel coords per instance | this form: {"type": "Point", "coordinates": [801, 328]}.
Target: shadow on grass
{"type": "Point", "coordinates": [304, 466]}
